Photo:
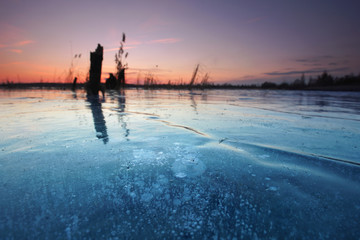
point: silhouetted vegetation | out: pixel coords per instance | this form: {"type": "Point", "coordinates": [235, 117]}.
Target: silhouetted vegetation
{"type": "Point", "coordinates": [73, 87]}
{"type": "Point", "coordinates": [120, 57]}
{"type": "Point", "coordinates": [41, 85]}
{"type": "Point", "coordinates": [111, 82]}
{"type": "Point", "coordinates": [268, 85]}
{"type": "Point", "coordinates": [150, 81]}
{"type": "Point", "coordinates": [71, 71]}
{"type": "Point", "coordinates": [322, 82]}
{"type": "Point", "coordinates": [194, 76]}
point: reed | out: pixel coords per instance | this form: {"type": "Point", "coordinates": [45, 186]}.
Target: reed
{"type": "Point", "coordinates": [121, 65]}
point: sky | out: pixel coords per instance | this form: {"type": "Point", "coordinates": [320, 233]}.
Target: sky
{"type": "Point", "coordinates": [234, 41]}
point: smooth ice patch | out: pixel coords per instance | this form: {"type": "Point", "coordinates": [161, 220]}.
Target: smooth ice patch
{"type": "Point", "coordinates": [188, 166]}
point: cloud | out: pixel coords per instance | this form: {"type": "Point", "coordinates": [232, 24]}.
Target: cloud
{"type": "Point", "coordinates": [23, 43]}
{"type": "Point", "coordinates": [277, 73]}
{"type": "Point", "coordinates": [127, 45]}
{"type": "Point", "coordinates": [321, 62]}
{"type": "Point", "coordinates": [305, 60]}
{"type": "Point", "coordinates": [111, 49]}
{"type": "Point", "coordinates": [166, 40]}
{"type": "Point", "coordinates": [314, 59]}
{"type": "Point", "coordinates": [14, 47]}
{"type": "Point", "coordinates": [117, 49]}
{"type": "Point", "coordinates": [12, 36]}
{"type": "Point", "coordinates": [16, 50]}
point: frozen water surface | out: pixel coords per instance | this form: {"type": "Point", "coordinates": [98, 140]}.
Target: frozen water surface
{"type": "Point", "coordinates": [177, 164]}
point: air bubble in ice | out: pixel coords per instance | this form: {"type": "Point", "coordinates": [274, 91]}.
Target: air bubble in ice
{"type": "Point", "coordinates": [180, 174]}
{"type": "Point", "coordinates": [146, 197]}
{"type": "Point", "coordinates": [274, 189]}
{"type": "Point", "coordinates": [188, 166]}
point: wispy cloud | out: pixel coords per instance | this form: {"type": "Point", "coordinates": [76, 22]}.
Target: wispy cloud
{"type": "Point", "coordinates": [321, 62]}
{"type": "Point", "coordinates": [305, 60]}
{"type": "Point", "coordinates": [23, 43]}
{"type": "Point", "coordinates": [14, 47]}
{"type": "Point", "coordinates": [16, 50]}
{"type": "Point", "coordinates": [128, 45]}
{"type": "Point", "coordinates": [286, 73]}
{"type": "Point", "coordinates": [117, 49]}
{"type": "Point", "coordinates": [166, 40]}
{"type": "Point", "coordinates": [13, 37]}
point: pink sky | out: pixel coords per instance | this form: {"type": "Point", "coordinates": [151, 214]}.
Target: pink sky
{"type": "Point", "coordinates": [233, 41]}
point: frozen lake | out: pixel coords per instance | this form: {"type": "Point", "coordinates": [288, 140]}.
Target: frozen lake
{"type": "Point", "coordinates": [166, 164]}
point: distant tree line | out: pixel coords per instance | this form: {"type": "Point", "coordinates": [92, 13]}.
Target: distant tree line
{"type": "Point", "coordinates": [323, 81]}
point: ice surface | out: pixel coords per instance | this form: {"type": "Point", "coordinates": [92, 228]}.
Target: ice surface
{"type": "Point", "coordinates": [161, 164]}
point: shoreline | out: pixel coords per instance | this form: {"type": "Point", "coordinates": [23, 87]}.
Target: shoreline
{"type": "Point", "coordinates": [80, 86]}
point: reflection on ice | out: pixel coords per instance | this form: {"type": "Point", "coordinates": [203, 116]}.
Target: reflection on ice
{"type": "Point", "coordinates": [98, 117]}
{"type": "Point", "coordinates": [120, 109]}
{"type": "Point", "coordinates": [202, 165]}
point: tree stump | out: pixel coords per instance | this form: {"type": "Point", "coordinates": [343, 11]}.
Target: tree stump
{"type": "Point", "coordinates": [96, 58]}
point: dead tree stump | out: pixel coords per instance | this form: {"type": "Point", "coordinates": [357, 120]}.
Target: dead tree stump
{"type": "Point", "coordinates": [96, 58]}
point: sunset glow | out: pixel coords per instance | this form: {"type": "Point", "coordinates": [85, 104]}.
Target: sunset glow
{"type": "Point", "coordinates": [233, 41]}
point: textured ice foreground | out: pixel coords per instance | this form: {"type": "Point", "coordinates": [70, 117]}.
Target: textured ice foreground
{"type": "Point", "coordinates": [178, 165]}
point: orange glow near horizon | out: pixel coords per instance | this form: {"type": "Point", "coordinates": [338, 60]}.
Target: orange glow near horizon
{"type": "Point", "coordinates": [241, 42]}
